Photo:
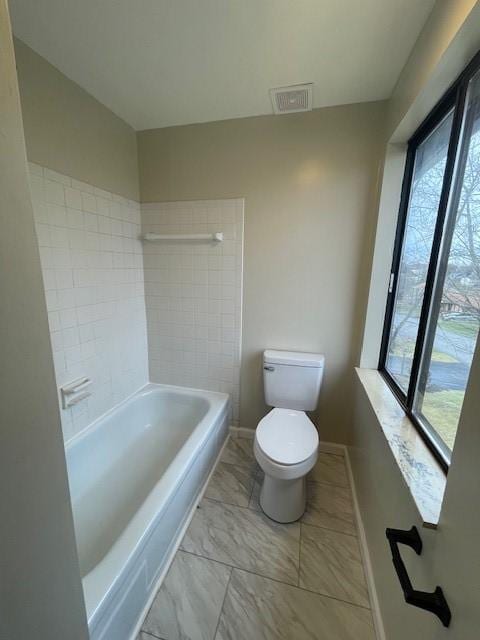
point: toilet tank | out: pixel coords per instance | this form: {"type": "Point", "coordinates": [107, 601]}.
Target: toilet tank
{"type": "Point", "coordinates": [292, 379]}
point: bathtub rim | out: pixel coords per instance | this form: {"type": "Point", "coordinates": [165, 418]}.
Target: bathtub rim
{"type": "Point", "coordinates": [80, 435]}
{"type": "Point", "coordinates": [106, 577]}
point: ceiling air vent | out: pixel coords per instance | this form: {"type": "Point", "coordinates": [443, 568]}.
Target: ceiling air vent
{"type": "Point", "coordinates": [297, 97]}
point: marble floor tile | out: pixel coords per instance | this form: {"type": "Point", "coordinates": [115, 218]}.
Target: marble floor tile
{"type": "Point", "coordinates": [245, 539]}
{"type": "Point", "coordinates": [239, 451]}
{"type": "Point", "coordinates": [256, 608]}
{"type": "Point", "coordinates": [188, 604]}
{"type": "Point", "coordinates": [330, 469]}
{"type": "Point", "coordinates": [330, 507]}
{"type": "Point", "coordinates": [331, 564]}
{"type": "Point", "coordinates": [231, 483]}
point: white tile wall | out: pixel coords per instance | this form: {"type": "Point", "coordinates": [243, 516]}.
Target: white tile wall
{"type": "Point", "coordinates": [194, 296]}
{"type": "Point", "coordinates": [93, 274]}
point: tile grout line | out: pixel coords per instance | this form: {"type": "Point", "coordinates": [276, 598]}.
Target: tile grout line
{"type": "Point", "coordinates": [237, 464]}
{"type": "Point", "coordinates": [228, 504]}
{"type": "Point", "coordinates": [254, 479]}
{"type": "Point", "coordinates": [234, 504]}
{"type": "Point", "coordinates": [152, 635]}
{"type": "Point", "coordinates": [223, 602]}
{"type": "Point", "coordinates": [278, 581]}
{"type": "Point", "coordinates": [323, 528]}
{"type": "Point", "coordinates": [332, 548]}
{"type": "Point", "coordinates": [322, 482]}
{"type": "Point", "coordinates": [328, 484]}
{"type": "Point", "coordinates": [299, 555]}
{"type": "Point", "coordinates": [308, 524]}
{"type": "Point", "coordinates": [302, 524]}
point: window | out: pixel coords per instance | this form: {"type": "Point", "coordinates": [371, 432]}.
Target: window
{"type": "Point", "coordinates": [433, 309]}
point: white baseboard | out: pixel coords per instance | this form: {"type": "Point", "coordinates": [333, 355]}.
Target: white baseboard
{"type": "Point", "coordinates": [324, 447]}
{"type": "Point", "coordinates": [175, 547]}
{"type": "Point", "coordinates": [242, 432]}
{"type": "Point", "coordinates": [332, 447]}
{"type": "Point", "coordinates": [367, 564]}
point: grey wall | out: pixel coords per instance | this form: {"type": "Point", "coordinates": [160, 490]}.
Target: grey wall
{"type": "Point", "coordinates": [309, 182]}
{"type": "Point", "coordinates": [40, 590]}
{"type": "Point", "coordinates": [69, 131]}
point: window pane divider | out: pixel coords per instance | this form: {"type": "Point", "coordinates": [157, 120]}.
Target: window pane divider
{"type": "Point", "coordinates": [453, 102]}
{"type": "Point", "coordinates": [455, 133]}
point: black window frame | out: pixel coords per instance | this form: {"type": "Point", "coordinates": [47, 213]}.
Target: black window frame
{"type": "Point", "coordinates": [454, 99]}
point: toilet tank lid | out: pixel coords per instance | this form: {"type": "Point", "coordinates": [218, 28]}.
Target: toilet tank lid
{"type": "Point", "coordinates": [294, 358]}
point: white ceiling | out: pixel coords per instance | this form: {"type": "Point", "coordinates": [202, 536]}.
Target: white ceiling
{"type": "Point", "coordinates": [158, 63]}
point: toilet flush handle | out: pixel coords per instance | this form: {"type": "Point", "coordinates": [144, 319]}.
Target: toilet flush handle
{"type": "Point", "coordinates": [269, 368]}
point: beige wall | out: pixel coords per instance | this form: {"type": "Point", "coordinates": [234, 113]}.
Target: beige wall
{"type": "Point", "coordinates": [40, 589]}
{"type": "Point", "coordinates": [425, 64]}
{"type": "Point", "coordinates": [451, 555]}
{"type": "Point", "coordinates": [69, 131]}
{"type": "Point", "coordinates": [309, 184]}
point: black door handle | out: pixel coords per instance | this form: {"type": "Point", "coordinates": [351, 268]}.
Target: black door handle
{"type": "Point", "coordinates": [434, 602]}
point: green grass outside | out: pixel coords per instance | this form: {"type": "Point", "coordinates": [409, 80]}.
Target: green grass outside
{"type": "Point", "coordinates": [406, 348]}
{"type": "Point", "coordinates": [442, 410]}
{"type": "Point", "coordinates": [460, 328]}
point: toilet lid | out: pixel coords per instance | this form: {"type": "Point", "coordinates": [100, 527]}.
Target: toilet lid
{"type": "Point", "coordinates": [287, 436]}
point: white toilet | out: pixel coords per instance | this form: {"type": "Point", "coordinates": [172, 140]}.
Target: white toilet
{"type": "Point", "coordinates": [286, 441]}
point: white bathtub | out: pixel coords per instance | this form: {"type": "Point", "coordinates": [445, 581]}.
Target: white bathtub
{"type": "Point", "coordinates": [135, 475]}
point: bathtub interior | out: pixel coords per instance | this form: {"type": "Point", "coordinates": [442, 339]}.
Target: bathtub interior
{"type": "Point", "coordinates": [112, 470]}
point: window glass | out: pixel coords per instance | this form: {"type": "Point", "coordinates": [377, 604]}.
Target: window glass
{"type": "Point", "coordinates": [454, 316]}
{"type": "Point", "coordinates": [425, 191]}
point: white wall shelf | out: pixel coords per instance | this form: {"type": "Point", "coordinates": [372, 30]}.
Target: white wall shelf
{"type": "Point", "coordinates": [184, 237]}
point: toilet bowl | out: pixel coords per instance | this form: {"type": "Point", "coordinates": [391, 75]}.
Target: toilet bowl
{"type": "Point", "coordinates": [286, 441]}
{"type": "Point", "coordinates": [286, 448]}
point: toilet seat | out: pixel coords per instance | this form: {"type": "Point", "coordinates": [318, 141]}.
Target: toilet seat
{"type": "Point", "coordinates": [287, 437]}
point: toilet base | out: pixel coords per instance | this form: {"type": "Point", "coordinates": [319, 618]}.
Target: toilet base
{"type": "Point", "coordinates": [283, 500]}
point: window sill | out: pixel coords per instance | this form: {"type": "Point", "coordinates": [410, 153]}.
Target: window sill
{"type": "Point", "coordinates": [423, 475]}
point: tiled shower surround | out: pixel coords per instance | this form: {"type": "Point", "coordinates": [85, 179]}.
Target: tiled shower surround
{"type": "Point", "coordinates": [99, 307]}
{"type": "Point", "coordinates": [194, 295]}
{"type": "Point", "coordinates": [92, 268]}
